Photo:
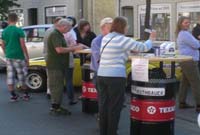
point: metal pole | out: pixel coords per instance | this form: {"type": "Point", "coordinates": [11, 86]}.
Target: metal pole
{"type": "Point", "coordinates": [119, 2]}
{"type": "Point", "coordinates": [147, 18]}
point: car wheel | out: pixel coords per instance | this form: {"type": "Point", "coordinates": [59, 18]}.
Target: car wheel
{"type": "Point", "coordinates": [36, 81]}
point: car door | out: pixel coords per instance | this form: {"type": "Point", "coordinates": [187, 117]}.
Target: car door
{"type": "Point", "coordinates": [34, 41]}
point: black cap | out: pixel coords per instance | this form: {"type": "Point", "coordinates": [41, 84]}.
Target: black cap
{"type": "Point", "coordinates": [72, 19]}
{"type": "Point", "coordinates": [4, 25]}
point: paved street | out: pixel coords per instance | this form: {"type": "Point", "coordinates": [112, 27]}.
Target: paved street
{"type": "Point", "coordinates": [32, 118]}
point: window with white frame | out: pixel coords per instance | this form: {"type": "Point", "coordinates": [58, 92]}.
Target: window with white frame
{"type": "Point", "coordinates": [190, 9]}
{"type": "Point", "coordinates": [160, 20]}
{"type": "Point", "coordinates": [128, 12]}
{"type": "Point", "coordinates": [54, 11]}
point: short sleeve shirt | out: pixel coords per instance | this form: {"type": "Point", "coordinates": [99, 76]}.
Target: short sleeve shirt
{"type": "Point", "coordinates": [54, 60]}
{"type": "Point", "coordinates": [11, 37]}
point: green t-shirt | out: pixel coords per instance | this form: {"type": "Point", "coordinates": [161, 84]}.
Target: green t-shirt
{"type": "Point", "coordinates": [55, 60]}
{"type": "Point", "coordinates": [11, 37]}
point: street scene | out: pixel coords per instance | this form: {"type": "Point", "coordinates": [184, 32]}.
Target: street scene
{"type": "Point", "coordinates": [29, 118]}
{"type": "Point", "coordinates": [109, 67]}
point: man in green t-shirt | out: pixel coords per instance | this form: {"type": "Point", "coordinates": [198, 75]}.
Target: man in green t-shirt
{"type": "Point", "coordinates": [57, 63]}
{"type": "Point", "coordinates": [16, 56]}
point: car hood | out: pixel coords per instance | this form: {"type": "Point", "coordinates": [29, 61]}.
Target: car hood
{"type": "Point", "coordinates": [34, 43]}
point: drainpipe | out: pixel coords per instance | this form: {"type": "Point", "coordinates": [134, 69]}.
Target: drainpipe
{"type": "Point", "coordinates": [119, 6]}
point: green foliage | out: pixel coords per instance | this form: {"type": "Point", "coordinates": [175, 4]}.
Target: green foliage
{"type": "Point", "coordinates": [5, 5]}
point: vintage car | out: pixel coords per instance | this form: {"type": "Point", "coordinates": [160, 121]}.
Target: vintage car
{"type": "Point", "coordinates": [37, 78]}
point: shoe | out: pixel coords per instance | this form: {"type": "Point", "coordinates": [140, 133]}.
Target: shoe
{"type": "Point", "coordinates": [73, 102]}
{"type": "Point", "coordinates": [124, 105]}
{"type": "Point", "coordinates": [26, 97]}
{"type": "Point", "coordinates": [48, 96]}
{"type": "Point", "coordinates": [59, 111]}
{"type": "Point", "coordinates": [97, 116]}
{"type": "Point", "coordinates": [198, 108]}
{"type": "Point", "coordinates": [185, 106]}
{"type": "Point", "coordinates": [80, 98]}
{"type": "Point", "coordinates": [14, 98]}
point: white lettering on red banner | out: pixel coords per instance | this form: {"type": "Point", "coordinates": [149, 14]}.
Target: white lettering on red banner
{"type": "Point", "coordinates": [89, 90]}
{"type": "Point", "coordinates": [135, 108]}
{"type": "Point", "coordinates": [167, 109]}
{"type": "Point", "coordinates": [153, 111]}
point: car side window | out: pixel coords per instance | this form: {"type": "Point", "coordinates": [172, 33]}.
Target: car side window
{"type": "Point", "coordinates": [34, 34]}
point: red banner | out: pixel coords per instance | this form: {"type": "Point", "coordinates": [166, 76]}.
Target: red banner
{"type": "Point", "coordinates": [89, 90]}
{"type": "Point", "coordinates": [153, 111]}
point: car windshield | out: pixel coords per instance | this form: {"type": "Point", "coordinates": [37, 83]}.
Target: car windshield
{"type": "Point", "coordinates": [34, 34]}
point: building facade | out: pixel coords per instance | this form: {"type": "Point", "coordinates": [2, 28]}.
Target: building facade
{"type": "Point", "coordinates": [164, 15]}
{"type": "Point", "coordinates": [34, 12]}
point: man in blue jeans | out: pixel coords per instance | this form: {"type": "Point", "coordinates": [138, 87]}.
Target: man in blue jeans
{"type": "Point", "coordinates": [70, 38]}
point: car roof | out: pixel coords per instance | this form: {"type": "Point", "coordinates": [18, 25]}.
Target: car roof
{"type": "Point", "coordinates": [38, 26]}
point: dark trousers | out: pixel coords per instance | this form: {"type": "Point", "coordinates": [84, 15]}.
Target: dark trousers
{"type": "Point", "coordinates": [69, 83]}
{"type": "Point", "coordinates": [111, 97]}
{"type": "Point", "coordinates": [190, 79]}
{"type": "Point", "coordinates": [56, 85]}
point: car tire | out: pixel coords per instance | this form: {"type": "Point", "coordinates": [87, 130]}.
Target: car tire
{"type": "Point", "coordinates": [36, 81]}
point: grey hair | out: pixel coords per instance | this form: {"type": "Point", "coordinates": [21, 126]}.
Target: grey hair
{"type": "Point", "coordinates": [64, 22]}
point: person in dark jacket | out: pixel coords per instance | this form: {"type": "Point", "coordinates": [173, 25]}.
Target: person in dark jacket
{"type": "Point", "coordinates": [84, 33]}
{"type": "Point", "coordinates": [196, 31]}
{"type": "Point", "coordinates": [4, 25]}
{"type": "Point", "coordinates": [196, 34]}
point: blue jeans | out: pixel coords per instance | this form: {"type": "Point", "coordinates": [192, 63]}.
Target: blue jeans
{"type": "Point", "coordinates": [69, 83]}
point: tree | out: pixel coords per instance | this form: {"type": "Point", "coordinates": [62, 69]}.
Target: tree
{"type": "Point", "coordinates": [4, 7]}
{"type": "Point", "coordinates": [147, 18]}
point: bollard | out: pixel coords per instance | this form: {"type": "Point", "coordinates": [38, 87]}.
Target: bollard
{"type": "Point", "coordinates": [89, 92]}
{"type": "Point", "coordinates": [153, 107]}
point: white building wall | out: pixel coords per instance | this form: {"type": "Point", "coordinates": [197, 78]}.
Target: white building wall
{"type": "Point", "coordinates": [72, 8]}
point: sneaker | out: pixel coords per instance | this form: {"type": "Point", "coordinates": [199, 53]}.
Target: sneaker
{"type": "Point", "coordinates": [59, 111]}
{"type": "Point", "coordinates": [14, 98]}
{"type": "Point", "coordinates": [185, 106]}
{"type": "Point", "coordinates": [73, 102]}
{"type": "Point", "coordinates": [26, 97]}
{"type": "Point", "coordinates": [48, 96]}
{"type": "Point", "coordinates": [97, 117]}
{"type": "Point", "coordinates": [198, 108]}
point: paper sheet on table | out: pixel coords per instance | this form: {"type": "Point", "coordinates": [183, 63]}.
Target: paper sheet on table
{"type": "Point", "coordinates": [140, 71]}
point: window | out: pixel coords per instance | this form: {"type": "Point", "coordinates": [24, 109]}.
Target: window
{"type": "Point", "coordinates": [128, 12]}
{"type": "Point", "coordinates": [160, 20]}
{"type": "Point", "coordinates": [32, 16]}
{"type": "Point", "coordinates": [190, 9]}
{"type": "Point", "coordinates": [54, 11]}
{"type": "Point", "coordinates": [34, 34]}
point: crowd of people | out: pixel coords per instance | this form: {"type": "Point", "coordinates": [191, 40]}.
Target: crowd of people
{"type": "Point", "coordinates": [110, 51]}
